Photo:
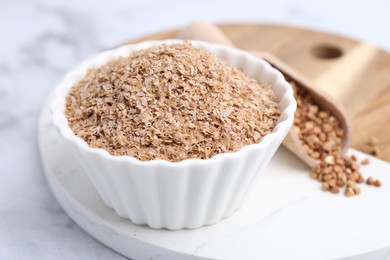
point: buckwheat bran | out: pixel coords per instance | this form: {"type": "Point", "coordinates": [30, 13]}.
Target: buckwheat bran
{"type": "Point", "coordinates": [171, 102]}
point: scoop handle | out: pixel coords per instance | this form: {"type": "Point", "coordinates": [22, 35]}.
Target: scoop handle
{"type": "Point", "coordinates": [204, 31]}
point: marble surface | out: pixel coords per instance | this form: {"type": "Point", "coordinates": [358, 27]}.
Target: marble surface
{"type": "Point", "coordinates": [41, 40]}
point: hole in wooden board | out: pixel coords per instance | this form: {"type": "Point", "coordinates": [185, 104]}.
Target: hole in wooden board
{"type": "Point", "coordinates": [327, 52]}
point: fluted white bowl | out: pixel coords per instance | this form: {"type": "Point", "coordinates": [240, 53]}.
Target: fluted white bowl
{"type": "Point", "coordinates": [175, 195]}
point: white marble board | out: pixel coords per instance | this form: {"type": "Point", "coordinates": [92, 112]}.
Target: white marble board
{"type": "Point", "coordinates": [286, 217]}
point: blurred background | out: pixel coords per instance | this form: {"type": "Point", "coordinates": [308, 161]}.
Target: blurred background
{"type": "Point", "coordinates": [42, 39]}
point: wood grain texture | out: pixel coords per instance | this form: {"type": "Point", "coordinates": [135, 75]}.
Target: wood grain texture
{"type": "Point", "coordinates": [356, 73]}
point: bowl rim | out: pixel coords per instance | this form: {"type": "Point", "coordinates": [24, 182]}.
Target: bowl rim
{"type": "Point", "coordinates": [61, 90]}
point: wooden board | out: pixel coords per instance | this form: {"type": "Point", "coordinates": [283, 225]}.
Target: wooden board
{"type": "Point", "coordinates": [356, 73]}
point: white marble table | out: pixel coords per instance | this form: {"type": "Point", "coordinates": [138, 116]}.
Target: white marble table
{"type": "Point", "coordinates": [40, 40]}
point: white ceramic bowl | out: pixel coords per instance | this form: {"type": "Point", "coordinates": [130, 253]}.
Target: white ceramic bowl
{"type": "Point", "coordinates": [186, 194]}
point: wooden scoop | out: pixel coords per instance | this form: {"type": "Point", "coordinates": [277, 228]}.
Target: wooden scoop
{"type": "Point", "coordinates": [208, 32]}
